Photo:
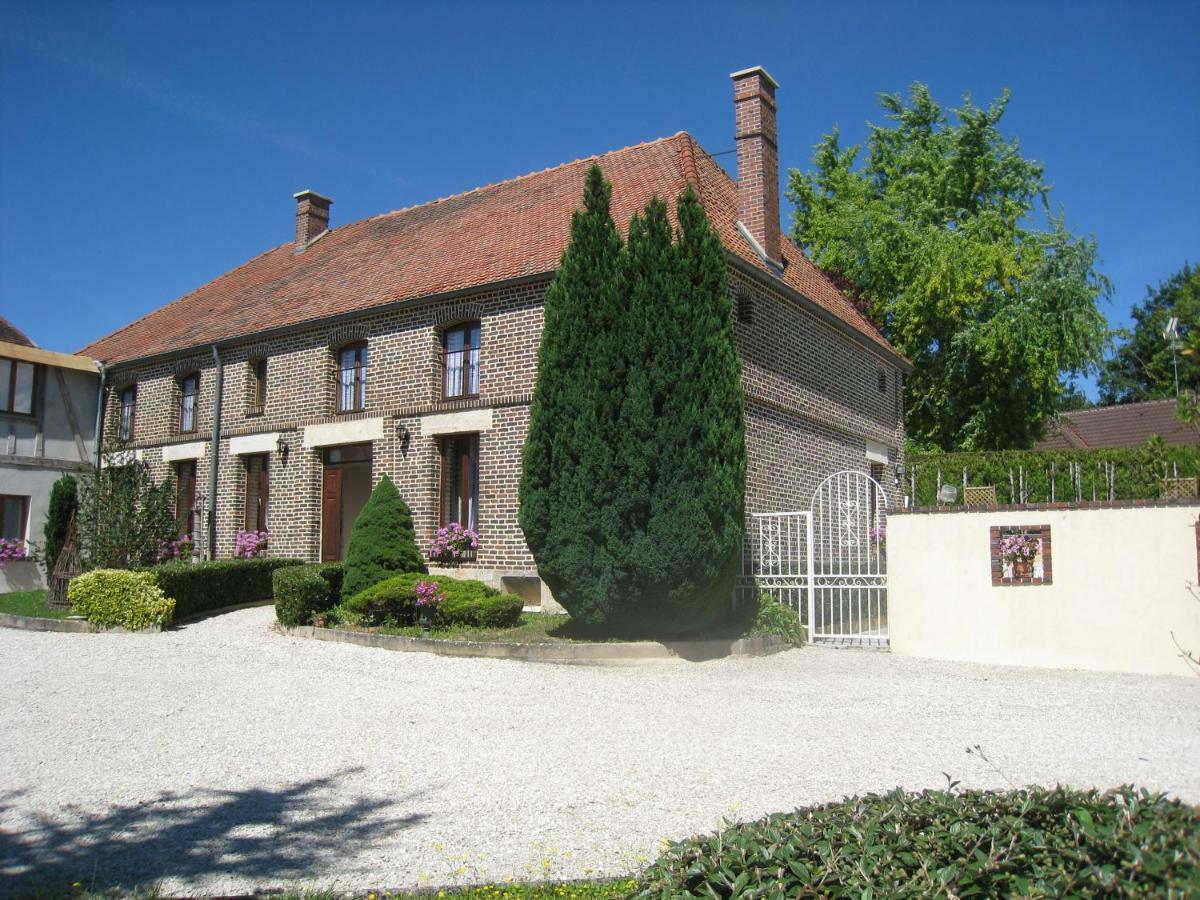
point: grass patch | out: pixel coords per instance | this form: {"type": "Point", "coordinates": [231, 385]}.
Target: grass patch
{"type": "Point", "coordinates": [532, 628]}
{"type": "Point", "coordinates": [762, 617]}
{"type": "Point", "coordinates": [30, 603]}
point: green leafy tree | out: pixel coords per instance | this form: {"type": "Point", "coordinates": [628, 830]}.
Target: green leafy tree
{"type": "Point", "coordinates": [382, 541]}
{"type": "Point", "coordinates": [632, 490]}
{"type": "Point", "coordinates": [933, 234]}
{"type": "Point", "coordinates": [1142, 367]}
{"type": "Point", "coordinates": [124, 517]}
{"type": "Point", "coordinates": [64, 500]}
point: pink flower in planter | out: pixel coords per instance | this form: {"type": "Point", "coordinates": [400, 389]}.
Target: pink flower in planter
{"type": "Point", "coordinates": [427, 593]}
{"type": "Point", "coordinates": [1018, 548]}
{"type": "Point", "coordinates": [250, 544]}
{"type": "Point", "coordinates": [12, 550]}
{"type": "Point", "coordinates": [452, 543]}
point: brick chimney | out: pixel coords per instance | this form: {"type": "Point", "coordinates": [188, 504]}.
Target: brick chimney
{"type": "Point", "coordinates": [757, 158]}
{"type": "Point", "coordinates": [312, 217]}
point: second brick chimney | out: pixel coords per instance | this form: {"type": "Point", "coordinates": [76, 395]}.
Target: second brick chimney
{"type": "Point", "coordinates": [757, 158]}
{"type": "Point", "coordinates": [312, 217]}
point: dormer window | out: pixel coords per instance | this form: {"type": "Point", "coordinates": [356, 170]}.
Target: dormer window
{"type": "Point", "coordinates": [189, 399]}
{"type": "Point", "coordinates": [460, 361]}
{"type": "Point", "coordinates": [127, 413]}
{"type": "Point", "coordinates": [352, 378]}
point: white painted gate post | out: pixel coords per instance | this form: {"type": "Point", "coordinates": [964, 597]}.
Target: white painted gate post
{"type": "Point", "coordinates": [808, 540]}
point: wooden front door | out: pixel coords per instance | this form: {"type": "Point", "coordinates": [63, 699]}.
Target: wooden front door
{"type": "Point", "coordinates": [331, 514]}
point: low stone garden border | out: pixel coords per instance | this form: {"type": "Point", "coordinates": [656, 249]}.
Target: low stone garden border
{"type": "Point", "coordinates": [69, 626]}
{"type": "Point", "coordinates": [82, 626]}
{"type": "Point", "coordinates": [581, 652]}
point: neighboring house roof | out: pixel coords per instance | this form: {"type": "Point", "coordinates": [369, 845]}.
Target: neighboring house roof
{"type": "Point", "coordinates": [1125, 425]}
{"type": "Point", "coordinates": [491, 234]}
{"type": "Point", "coordinates": [31, 354]}
{"type": "Point", "coordinates": [11, 334]}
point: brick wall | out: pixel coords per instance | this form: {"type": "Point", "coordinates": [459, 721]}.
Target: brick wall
{"type": "Point", "coordinates": [813, 401]}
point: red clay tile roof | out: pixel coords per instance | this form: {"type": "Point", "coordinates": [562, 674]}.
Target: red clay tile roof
{"type": "Point", "coordinates": [13, 335]}
{"type": "Point", "coordinates": [1125, 425]}
{"type": "Point", "coordinates": [493, 233]}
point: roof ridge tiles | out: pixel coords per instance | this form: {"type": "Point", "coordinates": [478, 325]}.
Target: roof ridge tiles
{"type": "Point", "coordinates": [517, 178]}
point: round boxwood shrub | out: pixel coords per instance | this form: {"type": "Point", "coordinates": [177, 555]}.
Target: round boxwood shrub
{"type": "Point", "coordinates": [467, 602]}
{"type": "Point", "coordinates": [382, 541]}
{"type": "Point", "coordinates": [1030, 842]}
{"type": "Point", "coordinates": [300, 593]}
{"type": "Point", "coordinates": [132, 600]}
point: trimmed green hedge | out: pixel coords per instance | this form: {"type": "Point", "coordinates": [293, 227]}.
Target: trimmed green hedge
{"type": "Point", "coordinates": [1138, 472]}
{"type": "Point", "coordinates": [198, 587]}
{"type": "Point", "coordinates": [120, 597]}
{"type": "Point", "coordinates": [467, 602]}
{"type": "Point", "coordinates": [1030, 842]}
{"type": "Point", "coordinates": [302, 592]}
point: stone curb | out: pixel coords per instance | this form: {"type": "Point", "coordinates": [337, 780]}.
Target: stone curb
{"type": "Point", "coordinates": [68, 626]}
{"type": "Point", "coordinates": [584, 653]}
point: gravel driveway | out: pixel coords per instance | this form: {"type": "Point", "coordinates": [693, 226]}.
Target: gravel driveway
{"type": "Point", "coordinates": [225, 756]}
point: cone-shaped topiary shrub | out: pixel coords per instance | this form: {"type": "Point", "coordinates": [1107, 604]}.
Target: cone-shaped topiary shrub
{"type": "Point", "coordinates": [382, 542]}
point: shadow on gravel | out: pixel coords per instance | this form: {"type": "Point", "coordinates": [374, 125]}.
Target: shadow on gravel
{"type": "Point", "coordinates": [264, 835]}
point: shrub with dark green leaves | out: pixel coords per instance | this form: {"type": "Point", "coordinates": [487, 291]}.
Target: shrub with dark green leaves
{"type": "Point", "coordinates": [301, 592]}
{"type": "Point", "coordinates": [131, 600]}
{"type": "Point", "coordinates": [393, 602]}
{"type": "Point", "coordinates": [382, 541]}
{"type": "Point", "coordinates": [1034, 841]}
{"type": "Point", "coordinates": [199, 587]}
{"type": "Point", "coordinates": [335, 574]}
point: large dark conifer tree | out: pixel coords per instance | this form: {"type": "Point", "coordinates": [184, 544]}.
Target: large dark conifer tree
{"type": "Point", "coordinates": [634, 471]}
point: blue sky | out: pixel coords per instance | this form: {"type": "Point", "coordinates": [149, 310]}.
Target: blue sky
{"type": "Point", "coordinates": [149, 147]}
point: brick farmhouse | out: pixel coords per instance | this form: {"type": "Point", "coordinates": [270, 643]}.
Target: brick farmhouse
{"type": "Point", "coordinates": [406, 344]}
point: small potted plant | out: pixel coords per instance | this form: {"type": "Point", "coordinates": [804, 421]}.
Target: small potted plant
{"type": "Point", "coordinates": [453, 544]}
{"type": "Point", "coordinates": [1019, 550]}
{"type": "Point", "coordinates": [428, 597]}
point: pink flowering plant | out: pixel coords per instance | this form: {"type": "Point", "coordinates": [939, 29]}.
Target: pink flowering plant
{"type": "Point", "coordinates": [428, 595]}
{"type": "Point", "coordinates": [176, 548]}
{"type": "Point", "coordinates": [452, 543]}
{"type": "Point", "coordinates": [12, 550]}
{"type": "Point", "coordinates": [250, 544]}
{"type": "Point", "coordinates": [1016, 548]}
{"type": "Point", "coordinates": [878, 534]}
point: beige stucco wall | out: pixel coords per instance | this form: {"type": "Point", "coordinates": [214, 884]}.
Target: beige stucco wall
{"type": "Point", "coordinates": [1120, 587]}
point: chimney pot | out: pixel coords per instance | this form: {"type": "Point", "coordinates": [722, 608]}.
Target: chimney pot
{"type": "Point", "coordinates": [757, 158]}
{"type": "Point", "coordinates": [312, 217]}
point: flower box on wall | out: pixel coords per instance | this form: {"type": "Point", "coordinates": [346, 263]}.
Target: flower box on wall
{"type": "Point", "coordinates": [1021, 555]}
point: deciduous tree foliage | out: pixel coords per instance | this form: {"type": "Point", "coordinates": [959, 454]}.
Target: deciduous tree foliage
{"type": "Point", "coordinates": [1141, 368]}
{"type": "Point", "coordinates": [632, 492]}
{"type": "Point", "coordinates": [382, 542]}
{"type": "Point", "coordinates": [124, 517]}
{"type": "Point", "coordinates": [932, 232]}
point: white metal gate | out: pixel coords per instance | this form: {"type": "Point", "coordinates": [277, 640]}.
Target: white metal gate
{"type": "Point", "coordinates": [848, 596]}
{"type": "Point", "coordinates": [777, 559]}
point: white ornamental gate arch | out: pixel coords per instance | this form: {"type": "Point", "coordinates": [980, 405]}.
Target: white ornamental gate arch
{"type": "Point", "coordinates": [847, 600]}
